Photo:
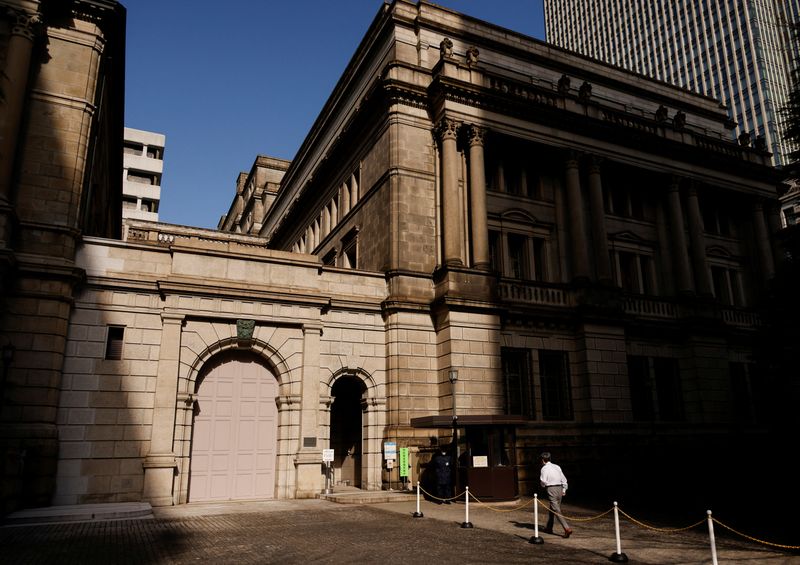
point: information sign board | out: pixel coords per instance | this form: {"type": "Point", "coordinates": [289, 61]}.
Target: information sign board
{"type": "Point", "coordinates": [389, 450]}
{"type": "Point", "coordinates": [403, 464]}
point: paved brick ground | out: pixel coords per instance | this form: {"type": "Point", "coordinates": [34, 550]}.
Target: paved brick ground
{"type": "Point", "coordinates": [322, 532]}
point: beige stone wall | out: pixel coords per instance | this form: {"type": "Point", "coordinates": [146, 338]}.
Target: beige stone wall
{"type": "Point", "coordinates": [107, 408]}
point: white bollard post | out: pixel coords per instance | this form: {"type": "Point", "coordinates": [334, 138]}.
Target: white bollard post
{"type": "Point", "coordinates": [711, 538]}
{"type": "Point", "coordinates": [417, 514]}
{"type": "Point", "coordinates": [536, 539]}
{"type": "Point", "coordinates": [466, 523]}
{"type": "Point", "coordinates": [617, 557]}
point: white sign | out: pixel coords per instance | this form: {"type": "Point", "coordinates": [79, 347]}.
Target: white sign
{"type": "Point", "coordinates": [389, 450]}
{"type": "Point", "coordinates": [327, 455]}
{"type": "Point", "coordinates": [480, 461]}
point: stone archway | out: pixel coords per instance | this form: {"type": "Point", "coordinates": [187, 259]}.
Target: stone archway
{"type": "Point", "coordinates": [234, 431]}
{"type": "Point", "coordinates": [347, 425]}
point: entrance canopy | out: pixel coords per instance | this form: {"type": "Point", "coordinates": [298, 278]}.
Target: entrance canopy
{"type": "Point", "coordinates": [485, 452]}
{"type": "Point", "coordinates": [465, 421]}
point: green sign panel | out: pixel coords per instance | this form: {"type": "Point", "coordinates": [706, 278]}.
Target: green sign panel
{"type": "Point", "coordinates": [403, 462]}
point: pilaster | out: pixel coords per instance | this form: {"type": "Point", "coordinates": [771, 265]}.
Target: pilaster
{"type": "Point", "coordinates": [160, 463]}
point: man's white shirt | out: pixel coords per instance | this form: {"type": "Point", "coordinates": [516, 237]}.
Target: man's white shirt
{"type": "Point", "coordinates": [552, 475]}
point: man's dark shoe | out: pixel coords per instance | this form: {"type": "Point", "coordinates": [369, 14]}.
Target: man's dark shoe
{"type": "Point", "coordinates": [567, 533]}
{"type": "Point", "coordinates": [547, 530]}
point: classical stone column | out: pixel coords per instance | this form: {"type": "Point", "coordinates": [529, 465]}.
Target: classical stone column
{"type": "Point", "coordinates": [160, 463]}
{"type": "Point", "coordinates": [309, 455]}
{"type": "Point", "coordinates": [353, 191]}
{"type": "Point", "coordinates": [309, 240]}
{"type": "Point", "coordinates": [344, 196]}
{"type": "Point", "coordinates": [763, 242]}
{"type": "Point", "coordinates": [13, 84]}
{"type": "Point", "coordinates": [698, 244]}
{"type": "Point", "coordinates": [580, 254]}
{"type": "Point", "coordinates": [451, 204]}
{"type": "Point", "coordinates": [477, 193]}
{"type": "Point", "coordinates": [679, 247]}
{"type": "Point", "coordinates": [599, 231]}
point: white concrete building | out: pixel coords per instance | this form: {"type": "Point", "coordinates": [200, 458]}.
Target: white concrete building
{"type": "Point", "coordinates": [143, 165]}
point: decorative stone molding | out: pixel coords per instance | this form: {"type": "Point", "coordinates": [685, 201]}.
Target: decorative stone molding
{"type": "Point", "coordinates": [585, 92]}
{"type": "Point", "coordinates": [679, 120]}
{"type": "Point", "coordinates": [447, 129]}
{"type": "Point", "coordinates": [563, 84]}
{"type": "Point", "coordinates": [446, 48]}
{"type": "Point", "coordinates": [26, 25]}
{"type": "Point", "coordinates": [472, 56]}
{"type": "Point", "coordinates": [476, 135]}
{"type": "Point", "coordinates": [744, 139]}
{"type": "Point", "coordinates": [662, 114]}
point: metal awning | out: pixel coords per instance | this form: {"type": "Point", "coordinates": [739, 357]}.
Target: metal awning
{"type": "Point", "coordinates": [471, 420]}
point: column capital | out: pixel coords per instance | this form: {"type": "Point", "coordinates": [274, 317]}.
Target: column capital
{"type": "Point", "coordinates": [674, 183]}
{"type": "Point", "coordinates": [172, 318]}
{"type": "Point", "coordinates": [312, 328]}
{"type": "Point", "coordinates": [595, 164]}
{"type": "Point", "coordinates": [476, 134]}
{"type": "Point", "coordinates": [447, 128]}
{"type": "Point", "coordinates": [25, 24]}
{"type": "Point", "coordinates": [573, 159]}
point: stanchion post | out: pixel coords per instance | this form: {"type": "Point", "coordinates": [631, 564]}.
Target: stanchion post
{"type": "Point", "coordinates": [711, 538]}
{"type": "Point", "coordinates": [536, 539]}
{"type": "Point", "coordinates": [466, 523]}
{"type": "Point", "coordinates": [417, 514]}
{"type": "Point", "coordinates": [617, 557]}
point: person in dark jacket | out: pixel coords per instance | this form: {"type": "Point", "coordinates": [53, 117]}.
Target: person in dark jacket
{"type": "Point", "coordinates": [442, 464]}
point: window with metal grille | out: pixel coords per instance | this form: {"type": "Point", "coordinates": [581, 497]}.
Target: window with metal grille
{"type": "Point", "coordinates": [114, 340]}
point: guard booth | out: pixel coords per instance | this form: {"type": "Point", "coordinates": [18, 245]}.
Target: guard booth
{"type": "Point", "coordinates": [485, 451]}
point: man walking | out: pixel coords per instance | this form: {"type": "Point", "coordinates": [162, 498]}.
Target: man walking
{"type": "Point", "coordinates": [553, 480]}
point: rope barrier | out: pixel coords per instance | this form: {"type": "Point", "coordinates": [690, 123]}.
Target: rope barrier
{"type": "Point", "coordinates": [778, 545]}
{"type": "Point", "coordinates": [501, 510]}
{"type": "Point", "coordinates": [576, 518]}
{"type": "Point", "coordinates": [603, 514]}
{"type": "Point", "coordinates": [662, 530]}
{"type": "Point", "coordinates": [456, 497]}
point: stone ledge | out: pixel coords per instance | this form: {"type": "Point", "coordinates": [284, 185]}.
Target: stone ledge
{"type": "Point", "coordinates": [80, 512]}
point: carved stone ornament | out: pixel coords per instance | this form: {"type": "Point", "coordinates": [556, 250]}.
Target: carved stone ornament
{"type": "Point", "coordinates": [447, 129]}
{"type": "Point", "coordinates": [662, 114]}
{"type": "Point", "coordinates": [585, 92]}
{"type": "Point", "coordinates": [446, 48]}
{"type": "Point", "coordinates": [761, 143]}
{"type": "Point", "coordinates": [744, 139]}
{"type": "Point", "coordinates": [476, 134]}
{"type": "Point", "coordinates": [563, 84]}
{"type": "Point", "coordinates": [679, 120]}
{"type": "Point", "coordinates": [26, 25]}
{"type": "Point", "coordinates": [472, 56]}
{"type": "Point", "coordinates": [244, 329]}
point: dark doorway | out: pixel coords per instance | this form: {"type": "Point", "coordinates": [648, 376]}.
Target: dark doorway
{"type": "Point", "coordinates": [346, 424]}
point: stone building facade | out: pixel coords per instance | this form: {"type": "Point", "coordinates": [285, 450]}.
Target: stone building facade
{"type": "Point", "coordinates": [61, 116]}
{"type": "Point", "coordinates": [559, 253]}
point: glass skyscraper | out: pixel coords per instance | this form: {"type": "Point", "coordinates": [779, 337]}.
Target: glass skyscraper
{"type": "Point", "coordinates": [738, 51]}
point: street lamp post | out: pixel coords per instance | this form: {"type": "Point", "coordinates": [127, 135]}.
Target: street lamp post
{"type": "Point", "coordinates": [453, 376]}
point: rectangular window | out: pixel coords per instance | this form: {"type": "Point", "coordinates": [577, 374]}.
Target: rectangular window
{"type": "Point", "coordinates": [114, 339]}
{"type": "Point", "coordinates": [349, 256]}
{"type": "Point", "coordinates": [495, 251]}
{"type": "Point", "coordinates": [519, 397]}
{"type": "Point", "coordinates": [555, 386]}
{"type": "Point", "coordinates": [655, 388]}
{"type": "Point", "coordinates": [668, 389]}
{"type": "Point", "coordinates": [641, 388]}
{"type": "Point", "coordinates": [517, 256]}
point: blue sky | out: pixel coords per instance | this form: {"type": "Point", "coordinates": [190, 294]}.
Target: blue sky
{"type": "Point", "coordinates": [226, 81]}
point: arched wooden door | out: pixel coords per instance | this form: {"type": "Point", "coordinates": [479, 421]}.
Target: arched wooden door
{"type": "Point", "coordinates": [234, 436]}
